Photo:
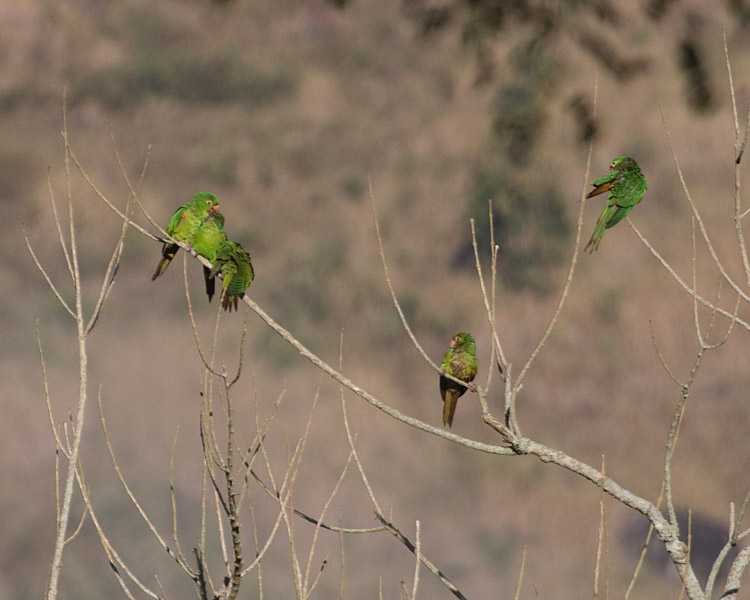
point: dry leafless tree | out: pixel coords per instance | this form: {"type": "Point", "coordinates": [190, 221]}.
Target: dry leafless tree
{"type": "Point", "coordinates": [236, 466]}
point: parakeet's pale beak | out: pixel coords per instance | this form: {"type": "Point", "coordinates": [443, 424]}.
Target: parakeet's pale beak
{"type": "Point", "coordinates": [215, 207]}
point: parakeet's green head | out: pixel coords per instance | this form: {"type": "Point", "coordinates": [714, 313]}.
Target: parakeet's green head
{"type": "Point", "coordinates": [623, 163]}
{"type": "Point", "coordinates": [463, 341]}
{"type": "Point", "coordinates": [206, 200]}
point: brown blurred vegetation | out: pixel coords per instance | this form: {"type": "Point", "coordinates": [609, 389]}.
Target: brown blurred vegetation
{"type": "Point", "coordinates": [287, 111]}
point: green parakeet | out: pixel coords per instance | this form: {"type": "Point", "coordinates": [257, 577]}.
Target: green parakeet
{"type": "Point", "coordinates": [208, 240]}
{"type": "Point", "coordinates": [184, 225]}
{"type": "Point", "coordinates": [236, 269]}
{"type": "Point", "coordinates": [460, 361]}
{"type": "Point", "coordinates": [626, 186]}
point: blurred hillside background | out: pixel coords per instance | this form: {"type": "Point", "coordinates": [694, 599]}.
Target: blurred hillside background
{"type": "Point", "coordinates": [286, 111]}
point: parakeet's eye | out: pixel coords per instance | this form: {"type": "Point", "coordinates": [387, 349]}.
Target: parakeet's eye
{"type": "Point", "coordinates": [613, 164]}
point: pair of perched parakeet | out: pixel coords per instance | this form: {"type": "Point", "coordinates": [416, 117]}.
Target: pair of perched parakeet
{"type": "Point", "coordinates": [200, 225]}
{"type": "Point", "coordinates": [626, 186]}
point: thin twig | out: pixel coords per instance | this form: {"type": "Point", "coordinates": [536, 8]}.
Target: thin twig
{"type": "Point", "coordinates": [600, 540]}
{"type": "Point", "coordinates": [108, 441]}
{"type": "Point", "coordinates": [400, 312]}
{"type": "Point", "coordinates": [520, 575]}
{"type": "Point", "coordinates": [571, 269]}
{"type": "Point", "coordinates": [61, 237]}
{"type": "Point", "coordinates": [112, 267]}
{"type": "Point", "coordinates": [680, 281]}
{"type": "Point", "coordinates": [47, 278]}
{"type": "Point", "coordinates": [418, 556]}
{"type": "Point", "coordinates": [698, 217]}
{"type": "Point", "coordinates": [116, 562]}
{"type": "Point", "coordinates": [60, 536]}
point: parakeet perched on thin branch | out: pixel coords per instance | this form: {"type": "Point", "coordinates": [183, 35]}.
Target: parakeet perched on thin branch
{"type": "Point", "coordinates": [184, 225]}
{"type": "Point", "coordinates": [460, 361]}
{"type": "Point", "coordinates": [208, 240]}
{"type": "Point", "coordinates": [626, 186]}
{"type": "Point", "coordinates": [236, 269]}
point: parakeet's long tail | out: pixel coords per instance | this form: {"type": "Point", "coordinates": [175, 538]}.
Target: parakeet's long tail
{"type": "Point", "coordinates": [228, 301]}
{"type": "Point", "coordinates": [596, 239]}
{"type": "Point", "coordinates": [449, 406]}
{"type": "Point", "coordinates": [601, 226]}
{"type": "Point", "coordinates": [210, 282]}
{"type": "Point", "coordinates": [167, 254]}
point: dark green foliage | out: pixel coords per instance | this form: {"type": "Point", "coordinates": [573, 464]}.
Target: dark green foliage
{"type": "Point", "coordinates": [482, 22]}
{"type": "Point", "coordinates": [354, 185]}
{"type": "Point", "coordinates": [518, 120]}
{"type": "Point", "coordinates": [195, 79]}
{"type": "Point", "coordinates": [159, 58]}
{"type": "Point", "coordinates": [521, 106]}
{"type": "Point", "coordinates": [741, 10]}
{"type": "Point", "coordinates": [600, 47]}
{"type": "Point", "coordinates": [531, 227]}
{"type": "Point", "coordinates": [656, 9]}
{"type": "Point", "coordinates": [582, 110]}
{"type": "Point", "coordinates": [697, 84]}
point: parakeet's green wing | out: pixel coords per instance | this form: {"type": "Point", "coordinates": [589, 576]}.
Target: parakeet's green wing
{"type": "Point", "coordinates": [169, 250]}
{"type": "Point", "coordinates": [626, 194]}
{"type": "Point", "coordinates": [184, 225]}
{"type": "Point", "coordinates": [237, 271]}
{"type": "Point", "coordinates": [177, 217]}
{"type": "Point", "coordinates": [631, 189]}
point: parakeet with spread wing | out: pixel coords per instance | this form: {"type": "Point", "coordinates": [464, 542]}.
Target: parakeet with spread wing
{"type": "Point", "coordinates": [236, 269]}
{"type": "Point", "coordinates": [626, 186]}
{"type": "Point", "coordinates": [460, 361]}
{"type": "Point", "coordinates": [184, 226]}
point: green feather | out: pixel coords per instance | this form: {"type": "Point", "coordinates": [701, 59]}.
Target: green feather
{"type": "Point", "coordinates": [184, 226]}
{"type": "Point", "coordinates": [236, 269]}
{"type": "Point", "coordinates": [208, 240]}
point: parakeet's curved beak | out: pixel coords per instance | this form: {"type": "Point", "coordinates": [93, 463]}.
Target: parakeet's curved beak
{"type": "Point", "coordinates": [215, 207]}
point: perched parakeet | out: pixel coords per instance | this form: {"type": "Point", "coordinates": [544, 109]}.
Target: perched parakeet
{"type": "Point", "coordinates": [236, 269]}
{"type": "Point", "coordinates": [460, 361]}
{"type": "Point", "coordinates": [626, 186]}
{"type": "Point", "coordinates": [184, 225]}
{"type": "Point", "coordinates": [208, 240]}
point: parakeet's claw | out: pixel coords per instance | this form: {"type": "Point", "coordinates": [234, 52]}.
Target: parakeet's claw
{"type": "Point", "coordinates": [472, 387]}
